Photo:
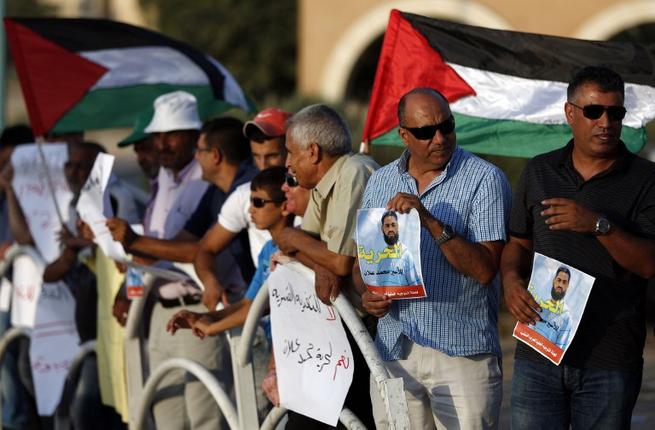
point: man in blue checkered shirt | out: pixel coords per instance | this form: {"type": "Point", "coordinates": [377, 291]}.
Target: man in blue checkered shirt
{"type": "Point", "coordinates": [445, 346]}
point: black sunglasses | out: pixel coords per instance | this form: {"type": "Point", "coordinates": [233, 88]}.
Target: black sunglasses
{"type": "Point", "coordinates": [258, 202]}
{"type": "Point", "coordinates": [290, 180]}
{"type": "Point", "coordinates": [427, 132]}
{"type": "Point", "coordinates": [614, 113]}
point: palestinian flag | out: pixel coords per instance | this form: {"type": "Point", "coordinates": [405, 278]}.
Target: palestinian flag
{"type": "Point", "coordinates": [81, 74]}
{"type": "Point", "coordinates": [507, 89]}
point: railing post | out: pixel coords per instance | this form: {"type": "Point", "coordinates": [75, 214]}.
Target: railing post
{"type": "Point", "coordinates": [391, 389]}
{"type": "Point", "coordinates": [10, 336]}
{"type": "Point", "coordinates": [203, 375]}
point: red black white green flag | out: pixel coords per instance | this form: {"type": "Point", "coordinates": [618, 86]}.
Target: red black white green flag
{"type": "Point", "coordinates": [507, 89]}
{"type": "Point", "coordinates": [81, 74]}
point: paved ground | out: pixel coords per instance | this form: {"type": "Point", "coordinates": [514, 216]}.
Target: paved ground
{"type": "Point", "coordinates": [643, 417]}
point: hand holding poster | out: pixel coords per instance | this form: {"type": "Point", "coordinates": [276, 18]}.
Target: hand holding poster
{"type": "Point", "coordinates": [312, 355]}
{"type": "Point", "coordinates": [562, 292]}
{"type": "Point", "coordinates": [36, 199]}
{"type": "Point", "coordinates": [94, 207]}
{"type": "Point", "coordinates": [388, 250]}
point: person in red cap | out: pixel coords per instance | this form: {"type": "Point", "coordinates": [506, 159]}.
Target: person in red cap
{"type": "Point", "coordinates": [266, 132]}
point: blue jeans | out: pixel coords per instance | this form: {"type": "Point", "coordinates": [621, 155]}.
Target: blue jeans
{"type": "Point", "coordinates": [545, 396]}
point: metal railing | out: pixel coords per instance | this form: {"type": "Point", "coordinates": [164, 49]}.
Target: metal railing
{"type": "Point", "coordinates": [203, 375]}
{"type": "Point", "coordinates": [62, 414]}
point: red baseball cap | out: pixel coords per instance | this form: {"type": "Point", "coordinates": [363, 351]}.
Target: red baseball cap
{"type": "Point", "coordinates": [270, 121]}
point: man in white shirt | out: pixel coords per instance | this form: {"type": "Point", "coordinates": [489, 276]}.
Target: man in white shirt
{"type": "Point", "coordinates": [266, 133]}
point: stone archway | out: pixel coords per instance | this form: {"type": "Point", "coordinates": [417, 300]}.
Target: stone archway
{"type": "Point", "coordinates": [366, 29]}
{"type": "Point", "coordinates": [614, 19]}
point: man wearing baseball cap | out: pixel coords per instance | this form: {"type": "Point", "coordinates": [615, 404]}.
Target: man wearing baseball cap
{"type": "Point", "coordinates": [266, 132]}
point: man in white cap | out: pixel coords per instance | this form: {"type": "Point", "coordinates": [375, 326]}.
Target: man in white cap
{"type": "Point", "coordinates": [175, 128]}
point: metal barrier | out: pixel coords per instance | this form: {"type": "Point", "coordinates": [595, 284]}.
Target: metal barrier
{"type": "Point", "coordinates": [62, 417]}
{"type": "Point", "coordinates": [203, 375]}
{"type": "Point", "coordinates": [9, 337]}
{"type": "Point", "coordinates": [137, 367]}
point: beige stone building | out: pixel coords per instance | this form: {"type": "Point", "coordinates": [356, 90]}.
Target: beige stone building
{"type": "Point", "coordinates": [334, 35]}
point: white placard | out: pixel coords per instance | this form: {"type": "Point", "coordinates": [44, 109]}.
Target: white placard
{"type": "Point", "coordinates": [27, 280]}
{"type": "Point", "coordinates": [5, 294]}
{"type": "Point", "coordinates": [35, 197]}
{"type": "Point", "coordinates": [94, 207]}
{"type": "Point", "coordinates": [313, 359]}
{"type": "Point", "coordinates": [54, 344]}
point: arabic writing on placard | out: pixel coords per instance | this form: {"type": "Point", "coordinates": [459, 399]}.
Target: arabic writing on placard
{"type": "Point", "coordinates": [36, 199]}
{"type": "Point", "coordinates": [370, 257]}
{"type": "Point", "coordinates": [310, 346]}
{"type": "Point", "coordinates": [287, 295]}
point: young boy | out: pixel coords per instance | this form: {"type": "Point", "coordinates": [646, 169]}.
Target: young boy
{"type": "Point", "coordinates": [268, 210]}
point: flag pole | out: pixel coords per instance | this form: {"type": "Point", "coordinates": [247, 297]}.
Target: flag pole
{"type": "Point", "coordinates": [48, 178]}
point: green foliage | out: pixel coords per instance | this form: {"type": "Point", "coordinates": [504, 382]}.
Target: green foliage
{"type": "Point", "coordinates": [29, 8]}
{"type": "Point", "coordinates": [255, 39]}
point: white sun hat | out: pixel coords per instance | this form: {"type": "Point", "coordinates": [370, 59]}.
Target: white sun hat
{"type": "Point", "coordinates": [175, 111]}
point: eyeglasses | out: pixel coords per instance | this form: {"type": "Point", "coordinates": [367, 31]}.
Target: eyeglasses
{"type": "Point", "coordinates": [614, 113]}
{"type": "Point", "coordinates": [290, 180]}
{"type": "Point", "coordinates": [199, 149]}
{"type": "Point", "coordinates": [258, 202]}
{"type": "Point", "coordinates": [427, 132]}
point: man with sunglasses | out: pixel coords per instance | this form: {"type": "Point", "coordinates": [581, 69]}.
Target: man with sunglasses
{"type": "Point", "coordinates": [266, 135]}
{"type": "Point", "coordinates": [590, 205]}
{"type": "Point", "coordinates": [446, 345]}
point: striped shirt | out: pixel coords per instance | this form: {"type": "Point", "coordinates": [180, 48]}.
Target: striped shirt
{"type": "Point", "coordinates": [459, 315]}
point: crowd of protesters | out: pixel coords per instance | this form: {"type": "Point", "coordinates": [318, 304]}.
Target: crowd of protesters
{"type": "Point", "coordinates": [237, 199]}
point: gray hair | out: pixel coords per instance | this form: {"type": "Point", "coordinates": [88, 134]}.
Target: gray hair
{"type": "Point", "coordinates": [322, 125]}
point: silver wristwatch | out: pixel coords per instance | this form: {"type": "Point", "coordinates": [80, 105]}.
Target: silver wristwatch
{"type": "Point", "coordinates": [603, 225]}
{"type": "Point", "coordinates": [446, 234]}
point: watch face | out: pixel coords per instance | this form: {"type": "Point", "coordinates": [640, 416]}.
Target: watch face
{"type": "Point", "coordinates": [602, 226]}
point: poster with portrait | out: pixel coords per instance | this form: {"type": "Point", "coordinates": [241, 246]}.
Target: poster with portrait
{"type": "Point", "coordinates": [562, 292]}
{"type": "Point", "coordinates": [389, 253]}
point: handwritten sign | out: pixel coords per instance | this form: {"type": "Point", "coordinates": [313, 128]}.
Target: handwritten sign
{"type": "Point", "coordinates": [27, 279]}
{"type": "Point", "coordinates": [562, 293]}
{"type": "Point", "coordinates": [94, 207]}
{"type": "Point", "coordinates": [312, 354]}
{"type": "Point", "coordinates": [31, 187]}
{"type": "Point", "coordinates": [54, 344]}
{"type": "Point", "coordinates": [388, 252]}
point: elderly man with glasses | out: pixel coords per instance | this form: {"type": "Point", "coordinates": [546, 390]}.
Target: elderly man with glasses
{"type": "Point", "coordinates": [591, 205]}
{"type": "Point", "coordinates": [445, 346]}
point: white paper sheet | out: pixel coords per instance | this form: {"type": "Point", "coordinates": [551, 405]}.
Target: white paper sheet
{"type": "Point", "coordinates": [312, 355]}
{"type": "Point", "coordinates": [54, 344]}
{"type": "Point", "coordinates": [33, 192]}
{"type": "Point", "coordinates": [94, 207]}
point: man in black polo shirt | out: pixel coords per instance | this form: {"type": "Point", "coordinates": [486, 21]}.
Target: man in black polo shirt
{"type": "Point", "coordinates": [590, 205]}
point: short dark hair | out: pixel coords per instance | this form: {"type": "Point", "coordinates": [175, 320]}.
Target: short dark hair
{"type": "Point", "coordinates": [419, 90]}
{"type": "Point", "coordinates": [388, 213]}
{"type": "Point", "coordinates": [16, 135]}
{"type": "Point", "coordinates": [563, 269]}
{"type": "Point", "coordinates": [225, 135]}
{"type": "Point", "coordinates": [270, 180]}
{"type": "Point", "coordinates": [606, 79]}
{"type": "Point", "coordinates": [88, 145]}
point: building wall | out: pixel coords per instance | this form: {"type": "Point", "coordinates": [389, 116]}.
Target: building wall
{"type": "Point", "coordinates": [332, 34]}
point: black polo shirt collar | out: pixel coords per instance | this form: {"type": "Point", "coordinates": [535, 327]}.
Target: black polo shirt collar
{"type": "Point", "coordinates": [621, 164]}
